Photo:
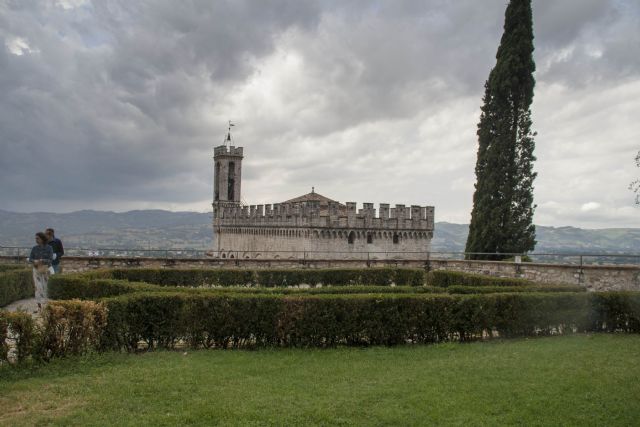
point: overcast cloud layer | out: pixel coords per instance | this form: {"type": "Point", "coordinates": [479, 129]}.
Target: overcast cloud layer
{"type": "Point", "coordinates": [117, 104]}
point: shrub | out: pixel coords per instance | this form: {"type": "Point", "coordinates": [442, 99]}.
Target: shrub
{"type": "Point", "coordinates": [71, 328]}
{"type": "Point", "coordinates": [503, 289]}
{"type": "Point", "coordinates": [11, 267]}
{"type": "Point", "coordinates": [15, 285]}
{"type": "Point", "coordinates": [205, 319]}
{"type": "Point", "coordinates": [273, 277]}
{"type": "Point", "coordinates": [444, 279]}
{"type": "Point", "coordinates": [186, 277]}
{"type": "Point", "coordinates": [64, 287]}
{"type": "Point", "coordinates": [616, 311]}
{"type": "Point", "coordinates": [21, 328]}
{"type": "Point", "coordinates": [4, 334]}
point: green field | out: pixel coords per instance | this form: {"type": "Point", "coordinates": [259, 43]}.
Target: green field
{"type": "Point", "coordinates": [571, 380]}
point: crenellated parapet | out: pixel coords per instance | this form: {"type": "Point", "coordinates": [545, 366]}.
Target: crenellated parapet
{"type": "Point", "coordinates": [333, 215]}
{"type": "Point", "coordinates": [224, 150]}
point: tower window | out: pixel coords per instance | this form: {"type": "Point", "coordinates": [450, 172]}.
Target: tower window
{"type": "Point", "coordinates": [369, 238]}
{"type": "Point", "coordinates": [396, 238]}
{"type": "Point", "coordinates": [231, 181]}
{"type": "Point", "coordinates": [351, 238]}
{"type": "Point", "coordinates": [216, 184]}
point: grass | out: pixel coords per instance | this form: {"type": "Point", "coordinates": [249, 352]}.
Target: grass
{"type": "Point", "coordinates": [574, 380]}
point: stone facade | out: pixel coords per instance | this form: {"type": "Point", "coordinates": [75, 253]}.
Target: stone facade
{"type": "Point", "coordinates": [313, 225]}
{"type": "Point", "coordinates": [592, 277]}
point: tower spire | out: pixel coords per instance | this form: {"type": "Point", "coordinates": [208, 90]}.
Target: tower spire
{"type": "Point", "coordinates": [227, 140]}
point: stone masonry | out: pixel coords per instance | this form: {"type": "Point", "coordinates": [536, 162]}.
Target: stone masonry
{"type": "Point", "coordinates": [312, 224]}
{"type": "Point", "coordinates": [592, 277]}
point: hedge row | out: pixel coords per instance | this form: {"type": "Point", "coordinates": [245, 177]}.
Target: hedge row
{"type": "Point", "coordinates": [79, 286]}
{"type": "Point", "coordinates": [509, 289]}
{"type": "Point", "coordinates": [11, 267]}
{"type": "Point", "coordinates": [270, 277]}
{"type": "Point", "coordinates": [67, 328]}
{"type": "Point", "coordinates": [165, 319]}
{"type": "Point", "coordinates": [20, 327]}
{"type": "Point", "coordinates": [200, 318]}
{"type": "Point", "coordinates": [65, 287]}
{"type": "Point", "coordinates": [16, 285]}
{"type": "Point", "coordinates": [444, 279]}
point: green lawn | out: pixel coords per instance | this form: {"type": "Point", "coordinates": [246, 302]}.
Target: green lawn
{"type": "Point", "coordinates": [576, 380]}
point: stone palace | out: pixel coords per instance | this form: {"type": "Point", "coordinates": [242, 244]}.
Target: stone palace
{"type": "Point", "coordinates": [311, 226]}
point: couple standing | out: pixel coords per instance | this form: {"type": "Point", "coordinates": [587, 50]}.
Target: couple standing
{"type": "Point", "coordinates": [45, 257]}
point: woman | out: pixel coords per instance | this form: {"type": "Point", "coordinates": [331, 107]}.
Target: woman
{"type": "Point", "coordinates": [41, 257]}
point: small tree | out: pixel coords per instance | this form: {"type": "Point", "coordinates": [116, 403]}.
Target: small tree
{"type": "Point", "coordinates": [635, 185]}
{"type": "Point", "coordinates": [502, 215]}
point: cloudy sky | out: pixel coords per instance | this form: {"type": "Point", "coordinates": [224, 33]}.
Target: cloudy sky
{"type": "Point", "coordinates": [118, 104]}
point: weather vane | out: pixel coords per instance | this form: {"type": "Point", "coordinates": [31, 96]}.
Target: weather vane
{"type": "Point", "coordinates": [228, 138]}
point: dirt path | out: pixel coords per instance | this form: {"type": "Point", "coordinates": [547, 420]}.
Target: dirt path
{"type": "Point", "coordinates": [28, 305]}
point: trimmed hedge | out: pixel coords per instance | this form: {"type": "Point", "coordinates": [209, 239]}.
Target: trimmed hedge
{"type": "Point", "coordinates": [164, 319]}
{"type": "Point", "coordinates": [22, 328]}
{"type": "Point", "coordinates": [509, 289]}
{"type": "Point", "coordinates": [271, 277]}
{"type": "Point", "coordinates": [71, 328]}
{"type": "Point", "coordinates": [77, 286]}
{"type": "Point", "coordinates": [444, 279]}
{"type": "Point", "coordinates": [66, 287]}
{"type": "Point", "coordinates": [617, 311]}
{"type": "Point", "coordinates": [16, 284]}
{"type": "Point", "coordinates": [11, 267]}
{"type": "Point", "coordinates": [67, 328]}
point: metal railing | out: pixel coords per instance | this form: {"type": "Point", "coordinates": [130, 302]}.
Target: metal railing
{"type": "Point", "coordinates": [577, 259]}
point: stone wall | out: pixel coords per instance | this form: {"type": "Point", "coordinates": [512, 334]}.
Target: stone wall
{"type": "Point", "coordinates": [593, 277]}
{"type": "Point", "coordinates": [325, 243]}
{"type": "Point", "coordinates": [325, 231]}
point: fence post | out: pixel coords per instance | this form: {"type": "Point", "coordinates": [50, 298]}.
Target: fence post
{"type": "Point", "coordinates": [580, 272]}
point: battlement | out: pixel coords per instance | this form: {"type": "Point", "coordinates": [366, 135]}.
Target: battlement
{"type": "Point", "coordinates": [335, 216]}
{"type": "Point", "coordinates": [223, 150]}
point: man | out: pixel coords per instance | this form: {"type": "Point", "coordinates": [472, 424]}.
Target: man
{"type": "Point", "coordinates": [58, 250]}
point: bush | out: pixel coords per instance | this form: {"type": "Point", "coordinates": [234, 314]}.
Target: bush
{"type": "Point", "coordinates": [65, 287]}
{"type": "Point", "coordinates": [186, 277]}
{"type": "Point", "coordinates": [503, 289]}
{"type": "Point", "coordinates": [273, 277]}
{"type": "Point", "coordinates": [11, 267]}
{"type": "Point", "coordinates": [16, 284]}
{"type": "Point", "coordinates": [22, 329]}
{"type": "Point", "coordinates": [71, 328]}
{"type": "Point", "coordinates": [616, 311]}
{"type": "Point", "coordinates": [206, 319]}
{"type": "Point", "coordinates": [444, 279]}
{"type": "Point", "coordinates": [4, 334]}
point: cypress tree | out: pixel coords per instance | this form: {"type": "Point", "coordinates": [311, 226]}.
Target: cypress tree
{"type": "Point", "coordinates": [502, 215]}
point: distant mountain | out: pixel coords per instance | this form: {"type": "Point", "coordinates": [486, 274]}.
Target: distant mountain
{"type": "Point", "coordinates": [452, 237]}
{"type": "Point", "coordinates": [143, 229]}
{"type": "Point", "coordinates": [98, 229]}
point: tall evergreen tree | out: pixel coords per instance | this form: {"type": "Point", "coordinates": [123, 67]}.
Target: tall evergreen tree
{"type": "Point", "coordinates": [502, 215]}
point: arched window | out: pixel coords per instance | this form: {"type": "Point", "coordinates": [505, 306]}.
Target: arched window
{"type": "Point", "coordinates": [369, 238]}
{"type": "Point", "coordinates": [231, 181]}
{"type": "Point", "coordinates": [351, 238]}
{"type": "Point", "coordinates": [396, 238]}
{"type": "Point", "coordinates": [216, 184]}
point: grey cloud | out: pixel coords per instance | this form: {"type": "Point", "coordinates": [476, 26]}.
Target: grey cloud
{"type": "Point", "coordinates": [122, 101]}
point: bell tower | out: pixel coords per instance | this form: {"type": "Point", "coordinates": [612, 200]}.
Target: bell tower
{"type": "Point", "coordinates": [227, 174]}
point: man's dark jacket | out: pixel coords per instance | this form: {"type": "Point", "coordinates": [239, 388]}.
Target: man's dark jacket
{"type": "Point", "coordinates": [56, 245]}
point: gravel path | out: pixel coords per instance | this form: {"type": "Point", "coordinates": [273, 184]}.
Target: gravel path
{"type": "Point", "coordinates": [29, 305]}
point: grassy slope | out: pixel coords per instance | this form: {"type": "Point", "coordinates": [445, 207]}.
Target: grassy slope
{"type": "Point", "coordinates": [586, 380]}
